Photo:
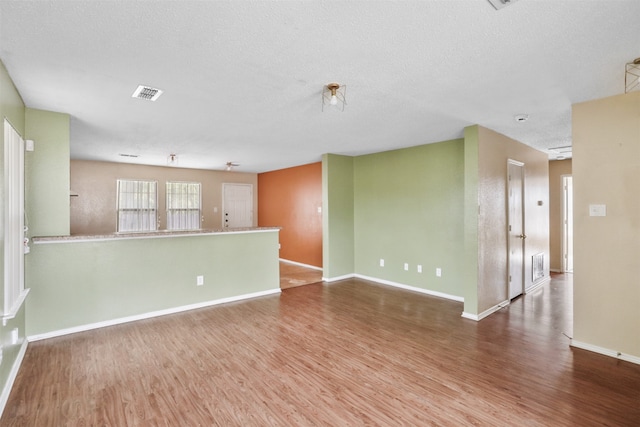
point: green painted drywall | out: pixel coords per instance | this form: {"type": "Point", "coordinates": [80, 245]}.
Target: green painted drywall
{"type": "Point", "coordinates": [337, 219]}
{"type": "Point", "coordinates": [80, 283]}
{"type": "Point", "coordinates": [47, 173]}
{"type": "Point", "coordinates": [409, 209]}
{"type": "Point", "coordinates": [470, 254]}
{"type": "Point", "coordinates": [11, 104]}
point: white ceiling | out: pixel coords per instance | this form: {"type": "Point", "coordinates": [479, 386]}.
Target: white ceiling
{"type": "Point", "coordinates": [242, 80]}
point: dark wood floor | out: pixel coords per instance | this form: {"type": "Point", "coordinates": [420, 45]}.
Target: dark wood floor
{"type": "Point", "coordinates": [292, 275]}
{"type": "Point", "coordinates": [347, 354]}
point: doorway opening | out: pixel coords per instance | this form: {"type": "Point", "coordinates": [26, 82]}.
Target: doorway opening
{"type": "Point", "coordinates": [516, 236]}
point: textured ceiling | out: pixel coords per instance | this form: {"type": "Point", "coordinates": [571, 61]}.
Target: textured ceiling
{"type": "Point", "coordinates": [242, 80]}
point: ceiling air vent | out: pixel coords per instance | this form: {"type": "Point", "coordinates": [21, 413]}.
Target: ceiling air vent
{"type": "Point", "coordinates": [146, 92]}
{"type": "Point", "coordinates": [499, 4]}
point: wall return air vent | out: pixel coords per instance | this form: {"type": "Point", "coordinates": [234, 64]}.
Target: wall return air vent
{"type": "Point", "coordinates": [146, 92]}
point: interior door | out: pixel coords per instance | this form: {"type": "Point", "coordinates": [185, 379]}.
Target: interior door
{"type": "Point", "coordinates": [516, 239]}
{"type": "Point", "coordinates": [237, 205]}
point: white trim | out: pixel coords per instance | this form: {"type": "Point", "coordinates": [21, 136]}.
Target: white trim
{"type": "Point", "coordinates": [143, 316]}
{"type": "Point", "coordinates": [4, 397]}
{"type": "Point", "coordinates": [555, 270]}
{"type": "Point", "coordinates": [337, 278]}
{"type": "Point", "coordinates": [470, 316]}
{"type": "Point", "coordinates": [411, 288]}
{"type": "Point", "coordinates": [479, 317]}
{"type": "Point", "coordinates": [537, 285]}
{"type": "Point", "coordinates": [313, 267]}
{"type": "Point", "coordinates": [16, 307]}
{"type": "Point", "coordinates": [605, 351]}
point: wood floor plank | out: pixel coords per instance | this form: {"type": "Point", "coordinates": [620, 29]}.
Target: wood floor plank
{"type": "Point", "coordinates": [347, 354]}
{"type": "Point", "coordinates": [292, 275]}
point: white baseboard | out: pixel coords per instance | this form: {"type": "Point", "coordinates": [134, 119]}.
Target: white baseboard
{"type": "Point", "coordinates": [537, 285]}
{"type": "Point", "coordinates": [605, 351]}
{"type": "Point", "coordinates": [411, 288]}
{"type": "Point", "coordinates": [149, 315]}
{"type": "Point", "coordinates": [4, 397]}
{"type": "Point", "coordinates": [300, 264]}
{"type": "Point", "coordinates": [555, 270]}
{"type": "Point", "coordinates": [479, 317]}
{"type": "Point", "coordinates": [335, 279]}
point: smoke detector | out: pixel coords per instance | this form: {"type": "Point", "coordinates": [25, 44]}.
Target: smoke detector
{"type": "Point", "coordinates": [146, 92]}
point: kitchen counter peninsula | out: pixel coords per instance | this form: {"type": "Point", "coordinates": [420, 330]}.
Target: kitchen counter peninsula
{"type": "Point", "coordinates": [82, 282]}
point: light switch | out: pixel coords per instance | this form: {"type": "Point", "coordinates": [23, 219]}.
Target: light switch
{"type": "Point", "coordinates": [597, 210]}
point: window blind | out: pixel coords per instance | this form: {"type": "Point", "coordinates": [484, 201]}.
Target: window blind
{"type": "Point", "coordinates": [183, 205]}
{"type": "Point", "coordinates": [137, 205]}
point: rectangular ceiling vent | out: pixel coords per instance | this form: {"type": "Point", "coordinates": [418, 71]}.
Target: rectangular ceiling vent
{"type": "Point", "coordinates": [146, 92]}
{"type": "Point", "coordinates": [499, 4]}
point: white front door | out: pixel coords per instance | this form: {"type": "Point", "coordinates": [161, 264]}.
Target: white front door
{"type": "Point", "coordinates": [237, 205]}
{"type": "Point", "coordinates": [515, 199]}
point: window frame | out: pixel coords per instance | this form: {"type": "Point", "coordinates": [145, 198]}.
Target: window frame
{"type": "Point", "coordinates": [152, 221]}
{"type": "Point", "coordinates": [185, 211]}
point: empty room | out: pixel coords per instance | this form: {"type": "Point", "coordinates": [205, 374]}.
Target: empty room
{"type": "Point", "coordinates": [275, 213]}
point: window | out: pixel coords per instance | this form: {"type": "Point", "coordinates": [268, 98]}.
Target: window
{"type": "Point", "coordinates": [137, 205]}
{"type": "Point", "coordinates": [14, 227]}
{"type": "Point", "coordinates": [183, 205]}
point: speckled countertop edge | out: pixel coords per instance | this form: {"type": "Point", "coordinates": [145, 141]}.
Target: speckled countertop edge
{"type": "Point", "coordinates": [149, 235]}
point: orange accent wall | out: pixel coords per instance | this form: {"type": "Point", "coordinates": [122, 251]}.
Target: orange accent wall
{"type": "Point", "coordinates": [290, 198]}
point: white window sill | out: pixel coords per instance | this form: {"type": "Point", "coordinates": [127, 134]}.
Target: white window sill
{"type": "Point", "coordinates": [16, 307]}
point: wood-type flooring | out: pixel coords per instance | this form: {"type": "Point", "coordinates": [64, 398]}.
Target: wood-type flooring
{"type": "Point", "coordinates": [292, 275]}
{"type": "Point", "coordinates": [350, 353]}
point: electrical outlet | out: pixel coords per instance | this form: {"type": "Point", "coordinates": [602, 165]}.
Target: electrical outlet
{"type": "Point", "coordinates": [15, 335]}
{"type": "Point", "coordinates": [419, 269]}
{"type": "Point", "coordinates": [438, 272]}
{"type": "Point", "coordinates": [381, 262]}
{"type": "Point", "coordinates": [406, 267]}
{"type": "Point", "coordinates": [200, 280]}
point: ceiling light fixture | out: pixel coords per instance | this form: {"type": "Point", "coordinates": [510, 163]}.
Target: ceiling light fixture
{"type": "Point", "coordinates": [146, 92]}
{"type": "Point", "coordinates": [333, 95]}
{"type": "Point", "coordinates": [172, 160]}
{"type": "Point", "coordinates": [632, 76]}
{"type": "Point", "coordinates": [231, 165]}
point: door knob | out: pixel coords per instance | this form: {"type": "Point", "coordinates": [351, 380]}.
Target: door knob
{"type": "Point", "coordinates": [521, 236]}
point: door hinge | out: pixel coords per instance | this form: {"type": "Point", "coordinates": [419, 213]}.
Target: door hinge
{"type": "Point", "coordinates": [509, 277]}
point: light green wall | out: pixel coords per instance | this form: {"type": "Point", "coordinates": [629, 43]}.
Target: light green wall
{"type": "Point", "coordinates": [470, 254]}
{"type": "Point", "coordinates": [337, 218]}
{"type": "Point", "coordinates": [409, 208]}
{"type": "Point", "coordinates": [12, 108]}
{"type": "Point", "coordinates": [80, 283]}
{"type": "Point", "coordinates": [47, 173]}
